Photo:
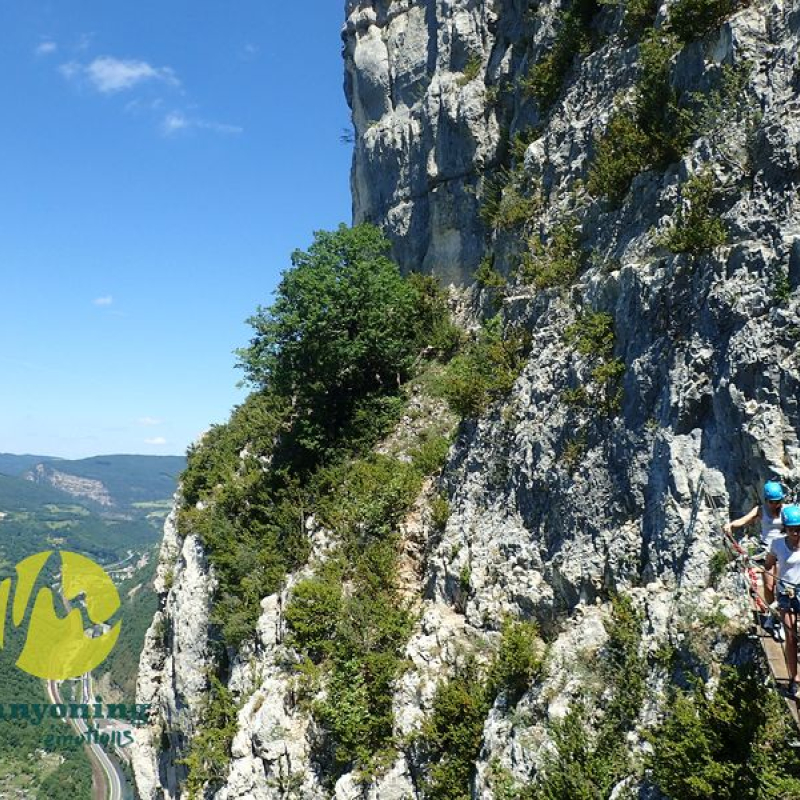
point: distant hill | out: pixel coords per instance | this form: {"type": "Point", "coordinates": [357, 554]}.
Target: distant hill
{"type": "Point", "coordinates": [101, 506]}
{"type": "Point", "coordinates": [110, 508]}
{"type": "Point", "coordinates": [17, 494]}
{"type": "Point", "coordinates": [15, 465]}
{"type": "Point", "coordinates": [117, 481]}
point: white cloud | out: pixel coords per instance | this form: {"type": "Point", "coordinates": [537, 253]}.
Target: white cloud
{"type": "Point", "coordinates": [106, 300]}
{"type": "Point", "coordinates": [177, 121]}
{"type": "Point", "coordinates": [141, 106]}
{"type": "Point", "coordinates": [158, 441]}
{"type": "Point", "coordinates": [249, 52]}
{"type": "Point", "coordinates": [71, 70]}
{"type": "Point", "coordinates": [149, 421]}
{"type": "Point", "coordinates": [174, 121]}
{"type": "Point", "coordinates": [85, 41]}
{"type": "Point", "coordinates": [109, 75]}
{"type": "Point", "coordinates": [46, 48]}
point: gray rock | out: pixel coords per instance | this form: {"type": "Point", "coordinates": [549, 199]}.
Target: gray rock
{"type": "Point", "coordinates": [173, 665]}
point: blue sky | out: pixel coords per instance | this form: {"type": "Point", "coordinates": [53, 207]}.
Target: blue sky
{"type": "Point", "coordinates": [159, 161]}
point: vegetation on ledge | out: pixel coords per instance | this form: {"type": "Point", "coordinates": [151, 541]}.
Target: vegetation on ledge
{"type": "Point", "coordinates": [329, 363]}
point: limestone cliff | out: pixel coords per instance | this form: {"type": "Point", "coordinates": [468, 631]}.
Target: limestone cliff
{"type": "Point", "coordinates": [554, 504]}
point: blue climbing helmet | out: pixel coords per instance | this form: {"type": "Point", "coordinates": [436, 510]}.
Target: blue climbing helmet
{"type": "Point", "coordinates": [773, 491]}
{"type": "Point", "coordinates": [790, 516]}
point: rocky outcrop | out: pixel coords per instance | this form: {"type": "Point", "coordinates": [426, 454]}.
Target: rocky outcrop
{"type": "Point", "coordinates": [87, 488]}
{"type": "Point", "coordinates": [173, 669]}
{"type": "Point", "coordinates": [424, 131]}
{"type": "Point", "coordinates": [556, 499]}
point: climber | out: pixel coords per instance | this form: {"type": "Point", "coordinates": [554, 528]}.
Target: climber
{"type": "Point", "coordinates": [768, 514]}
{"type": "Point", "coordinates": [785, 554]}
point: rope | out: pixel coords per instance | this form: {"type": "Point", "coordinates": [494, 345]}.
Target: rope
{"type": "Point", "coordinates": [752, 570]}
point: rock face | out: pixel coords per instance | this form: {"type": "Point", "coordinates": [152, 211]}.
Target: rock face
{"type": "Point", "coordinates": [554, 502]}
{"type": "Point", "coordinates": [424, 133]}
{"type": "Point", "coordinates": [173, 668]}
{"type": "Point", "coordinates": [88, 488]}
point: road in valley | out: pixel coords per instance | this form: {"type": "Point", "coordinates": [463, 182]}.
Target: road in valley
{"type": "Point", "coordinates": [106, 783]}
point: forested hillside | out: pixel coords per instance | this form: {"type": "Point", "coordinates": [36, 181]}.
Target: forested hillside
{"type": "Point", "coordinates": [36, 516]}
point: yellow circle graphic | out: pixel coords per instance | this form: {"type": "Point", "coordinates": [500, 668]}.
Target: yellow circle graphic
{"type": "Point", "coordinates": [57, 648]}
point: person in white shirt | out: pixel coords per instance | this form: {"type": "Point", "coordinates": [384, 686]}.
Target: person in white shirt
{"type": "Point", "coordinates": [768, 514]}
{"type": "Point", "coordinates": [784, 555]}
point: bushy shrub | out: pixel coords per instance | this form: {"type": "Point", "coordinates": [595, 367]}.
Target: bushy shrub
{"type": "Point", "coordinates": [253, 534]}
{"type": "Point", "coordinates": [430, 454]}
{"type": "Point", "coordinates": [440, 512]}
{"type": "Point", "coordinates": [313, 611]}
{"type": "Point", "coordinates": [593, 336]}
{"type": "Point", "coordinates": [574, 771]}
{"type": "Point", "coordinates": [588, 767]}
{"type": "Point", "coordinates": [485, 372]}
{"type": "Point", "coordinates": [520, 142]}
{"type": "Point", "coordinates": [696, 229]}
{"type": "Point", "coordinates": [555, 263]}
{"type": "Point", "coordinates": [471, 69]}
{"type": "Point", "coordinates": [639, 17]}
{"type": "Point", "coordinates": [356, 636]}
{"type": "Point", "coordinates": [451, 736]}
{"type": "Point", "coordinates": [510, 199]}
{"type": "Point", "coordinates": [621, 153]}
{"type": "Point", "coordinates": [718, 564]}
{"type": "Point", "coordinates": [652, 134]}
{"type": "Point", "coordinates": [364, 657]}
{"type": "Point", "coordinates": [434, 330]}
{"type": "Point", "coordinates": [577, 397]}
{"type": "Point", "coordinates": [574, 451]}
{"type": "Point", "coordinates": [731, 744]}
{"type": "Point", "coordinates": [210, 752]}
{"type": "Point", "coordinates": [214, 460]}
{"type": "Point", "coordinates": [518, 662]}
{"type": "Point", "coordinates": [693, 19]}
{"type": "Point", "coordinates": [487, 276]}
{"type": "Point", "coordinates": [622, 665]}
{"type": "Point", "coordinates": [546, 77]}
{"type": "Point", "coordinates": [365, 499]}
{"type": "Point", "coordinates": [781, 285]}
{"type": "Point", "coordinates": [657, 101]}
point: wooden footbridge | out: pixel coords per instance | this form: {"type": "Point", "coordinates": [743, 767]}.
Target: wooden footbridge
{"type": "Point", "coordinates": [774, 651]}
{"type": "Point", "coordinates": [775, 655]}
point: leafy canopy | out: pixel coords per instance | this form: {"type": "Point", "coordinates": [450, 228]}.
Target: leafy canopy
{"type": "Point", "coordinates": [345, 328]}
{"type": "Point", "coordinates": [342, 323]}
{"type": "Point", "coordinates": [732, 745]}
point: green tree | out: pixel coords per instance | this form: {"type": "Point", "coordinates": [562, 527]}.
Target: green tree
{"type": "Point", "coordinates": [451, 737]}
{"type": "Point", "coordinates": [210, 751]}
{"type": "Point", "coordinates": [343, 329]}
{"type": "Point", "coordinates": [733, 744]}
{"type": "Point", "coordinates": [585, 767]}
{"type": "Point", "coordinates": [697, 229]}
{"type": "Point", "coordinates": [693, 19]}
{"type": "Point", "coordinates": [486, 370]}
